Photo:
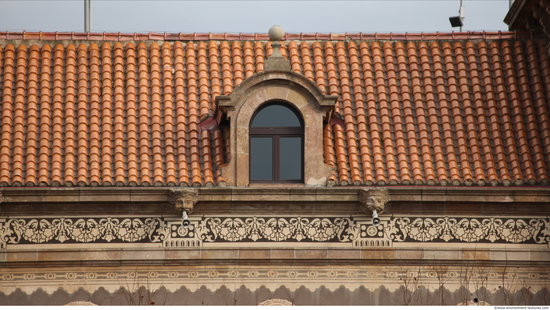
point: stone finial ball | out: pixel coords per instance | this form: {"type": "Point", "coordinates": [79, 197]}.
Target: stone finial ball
{"type": "Point", "coordinates": [276, 33]}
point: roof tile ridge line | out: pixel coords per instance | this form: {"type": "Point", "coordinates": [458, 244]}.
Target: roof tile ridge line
{"type": "Point", "coordinates": [497, 35]}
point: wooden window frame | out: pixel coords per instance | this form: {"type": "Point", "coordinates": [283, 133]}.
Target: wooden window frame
{"type": "Point", "coordinates": [276, 133]}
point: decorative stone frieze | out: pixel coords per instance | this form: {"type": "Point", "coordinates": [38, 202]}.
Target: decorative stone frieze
{"type": "Point", "coordinates": [82, 230]}
{"type": "Point", "coordinates": [183, 199]}
{"type": "Point", "coordinates": [272, 277]}
{"type": "Point", "coordinates": [250, 230]}
{"type": "Point", "coordinates": [368, 235]}
{"type": "Point", "coordinates": [374, 199]}
{"type": "Point", "coordinates": [470, 230]}
{"type": "Point", "coordinates": [180, 236]}
{"type": "Point", "coordinates": [277, 229]}
{"type": "Point", "coordinates": [4, 231]}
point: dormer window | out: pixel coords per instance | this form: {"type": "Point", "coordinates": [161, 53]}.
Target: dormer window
{"type": "Point", "coordinates": [275, 122]}
{"type": "Point", "coordinates": [276, 144]}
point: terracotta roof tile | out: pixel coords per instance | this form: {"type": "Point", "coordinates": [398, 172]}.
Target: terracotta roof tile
{"type": "Point", "coordinates": [541, 77]}
{"type": "Point", "coordinates": [533, 104]}
{"type": "Point", "coordinates": [248, 52]}
{"type": "Point", "coordinates": [307, 61]}
{"type": "Point", "coordinates": [363, 138]}
{"type": "Point", "coordinates": [57, 117]}
{"type": "Point", "coordinates": [259, 56]}
{"type": "Point", "coordinates": [319, 67]}
{"type": "Point", "coordinates": [417, 112]}
{"type": "Point", "coordinates": [168, 115]}
{"type": "Point", "coordinates": [227, 72]}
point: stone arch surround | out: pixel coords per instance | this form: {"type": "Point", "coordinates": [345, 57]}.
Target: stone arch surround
{"type": "Point", "coordinates": [287, 86]}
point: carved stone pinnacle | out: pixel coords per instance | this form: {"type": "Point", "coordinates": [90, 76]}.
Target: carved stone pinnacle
{"type": "Point", "coordinates": [183, 199]}
{"type": "Point", "coordinates": [374, 199]}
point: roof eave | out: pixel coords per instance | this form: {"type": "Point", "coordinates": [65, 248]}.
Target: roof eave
{"type": "Point", "coordinates": [513, 14]}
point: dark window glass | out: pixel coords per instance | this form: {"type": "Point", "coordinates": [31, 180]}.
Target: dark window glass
{"type": "Point", "coordinates": [276, 116]}
{"type": "Point", "coordinates": [276, 145]}
{"type": "Point", "coordinates": [290, 150]}
{"type": "Point", "coordinates": [261, 158]}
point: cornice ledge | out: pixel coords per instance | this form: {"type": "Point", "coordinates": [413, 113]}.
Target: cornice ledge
{"type": "Point", "coordinates": [335, 255]}
{"type": "Point", "coordinates": [276, 193]}
{"type": "Point", "coordinates": [470, 194]}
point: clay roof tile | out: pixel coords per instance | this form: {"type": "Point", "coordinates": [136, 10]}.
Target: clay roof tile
{"type": "Point", "coordinates": [425, 112]}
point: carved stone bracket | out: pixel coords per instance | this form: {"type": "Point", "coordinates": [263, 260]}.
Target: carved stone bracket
{"type": "Point", "coordinates": [183, 199]}
{"type": "Point", "coordinates": [374, 199]}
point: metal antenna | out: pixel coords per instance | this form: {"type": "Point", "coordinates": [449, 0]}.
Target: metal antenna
{"type": "Point", "coordinates": [460, 13]}
{"type": "Point", "coordinates": [87, 15]}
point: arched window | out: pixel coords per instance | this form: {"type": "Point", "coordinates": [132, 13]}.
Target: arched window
{"type": "Point", "coordinates": [276, 145]}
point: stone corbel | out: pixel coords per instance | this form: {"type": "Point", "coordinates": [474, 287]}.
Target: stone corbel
{"type": "Point", "coordinates": [374, 199]}
{"type": "Point", "coordinates": [183, 199]}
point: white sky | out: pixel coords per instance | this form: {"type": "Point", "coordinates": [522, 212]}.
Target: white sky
{"type": "Point", "coordinates": [367, 16]}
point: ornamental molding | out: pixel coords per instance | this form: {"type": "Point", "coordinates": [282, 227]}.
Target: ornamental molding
{"type": "Point", "coordinates": [232, 102]}
{"type": "Point", "coordinates": [358, 232]}
{"type": "Point", "coordinates": [81, 230]}
{"type": "Point", "coordinates": [272, 277]}
{"type": "Point", "coordinates": [277, 229]}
